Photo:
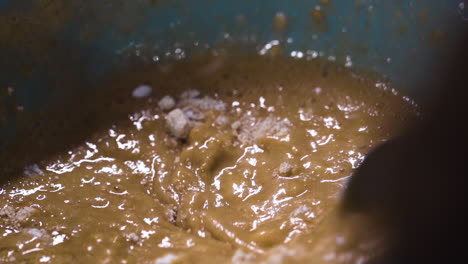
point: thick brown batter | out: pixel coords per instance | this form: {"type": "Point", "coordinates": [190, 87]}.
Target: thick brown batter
{"type": "Point", "coordinates": [266, 146]}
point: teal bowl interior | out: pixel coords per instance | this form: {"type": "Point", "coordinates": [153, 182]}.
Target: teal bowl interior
{"type": "Point", "coordinates": [47, 45]}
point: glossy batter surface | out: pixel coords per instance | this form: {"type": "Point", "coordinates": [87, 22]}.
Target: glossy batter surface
{"type": "Point", "coordinates": [267, 146]}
